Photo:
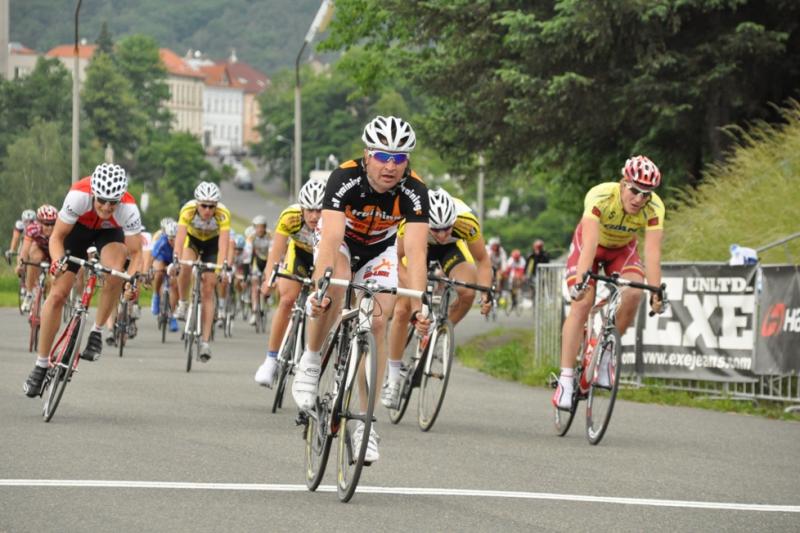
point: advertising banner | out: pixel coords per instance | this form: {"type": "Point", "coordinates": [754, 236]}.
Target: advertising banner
{"type": "Point", "coordinates": [778, 333]}
{"type": "Point", "coordinates": [708, 331]}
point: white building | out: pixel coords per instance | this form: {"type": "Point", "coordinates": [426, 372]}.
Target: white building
{"type": "Point", "coordinates": [223, 106]}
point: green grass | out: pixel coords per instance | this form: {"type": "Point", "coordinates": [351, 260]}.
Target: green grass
{"type": "Point", "coordinates": [748, 199]}
{"type": "Point", "coordinates": [506, 354]}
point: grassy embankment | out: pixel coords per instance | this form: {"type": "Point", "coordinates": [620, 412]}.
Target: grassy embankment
{"type": "Point", "coordinates": [748, 200]}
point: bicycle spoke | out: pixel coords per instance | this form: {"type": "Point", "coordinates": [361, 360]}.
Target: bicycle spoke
{"type": "Point", "coordinates": [604, 386]}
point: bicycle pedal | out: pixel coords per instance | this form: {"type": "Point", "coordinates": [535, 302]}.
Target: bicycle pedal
{"type": "Point", "coordinates": [301, 419]}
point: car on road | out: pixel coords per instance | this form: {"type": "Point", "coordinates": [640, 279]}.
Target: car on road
{"type": "Point", "coordinates": [242, 178]}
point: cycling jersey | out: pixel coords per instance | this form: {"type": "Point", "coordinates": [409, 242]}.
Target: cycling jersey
{"type": "Point", "coordinates": [618, 228]}
{"type": "Point", "coordinates": [291, 224]}
{"type": "Point", "coordinates": [372, 218]}
{"type": "Point", "coordinates": [497, 259]}
{"type": "Point", "coordinates": [162, 251]}
{"type": "Point", "coordinates": [200, 229]}
{"type": "Point", "coordinates": [35, 232]}
{"type": "Point", "coordinates": [147, 241]}
{"type": "Point", "coordinates": [78, 208]}
{"type": "Point", "coordinates": [260, 245]}
{"type": "Point", "coordinates": [19, 225]}
{"type": "Point", "coordinates": [515, 267]}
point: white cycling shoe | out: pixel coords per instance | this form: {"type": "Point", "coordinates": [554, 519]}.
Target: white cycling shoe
{"type": "Point", "coordinates": [562, 398]}
{"type": "Point", "coordinates": [266, 372]}
{"type": "Point", "coordinates": [305, 384]}
{"type": "Point", "coordinates": [371, 454]}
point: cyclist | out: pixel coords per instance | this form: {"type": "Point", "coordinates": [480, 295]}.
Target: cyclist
{"type": "Point", "coordinates": [294, 239]}
{"type": "Point", "coordinates": [98, 211]}
{"type": "Point", "coordinates": [159, 260]}
{"type": "Point", "coordinates": [514, 274]}
{"type": "Point", "coordinates": [204, 228]}
{"type": "Point", "coordinates": [456, 243]}
{"type": "Point", "coordinates": [498, 259]}
{"type": "Point", "coordinates": [613, 213]}
{"type": "Point", "coordinates": [259, 243]}
{"type": "Point", "coordinates": [28, 216]}
{"type": "Point", "coordinates": [365, 201]}
{"type": "Point", "coordinates": [35, 249]}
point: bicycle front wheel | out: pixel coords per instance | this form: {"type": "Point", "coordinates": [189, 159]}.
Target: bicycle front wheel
{"type": "Point", "coordinates": [435, 375]}
{"type": "Point", "coordinates": [285, 358]}
{"type": "Point", "coordinates": [318, 435]}
{"type": "Point", "coordinates": [410, 364]}
{"type": "Point", "coordinates": [59, 375]}
{"type": "Point", "coordinates": [605, 384]}
{"type": "Point", "coordinates": [358, 405]}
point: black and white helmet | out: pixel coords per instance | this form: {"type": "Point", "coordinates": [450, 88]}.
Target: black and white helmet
{"type": "Point", "coordinates": [109, 181]}
{"type": "Point", "coordinates": [442, 209]}
{"type": "Point", "coordinates": [29, 215]}
{"type": "Point", "coordinates": [311, 195]}
{"type": "Point", "coordinates": [259, 220]}
{"type": "Point", "coordinates": [170, 228]}
{"type": "Point", "coordinates": [164, 222]}
{"type": "Point", "coordinates": [207, 191]}
{"type": "Point", "coordinates": [389, 133]}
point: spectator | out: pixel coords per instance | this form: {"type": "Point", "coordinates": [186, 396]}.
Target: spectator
{"type": "Point", "coordinates": [536, 257]}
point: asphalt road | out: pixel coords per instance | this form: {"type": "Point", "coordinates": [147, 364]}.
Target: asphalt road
{"type": "Point", "coordinates": [138, 444]}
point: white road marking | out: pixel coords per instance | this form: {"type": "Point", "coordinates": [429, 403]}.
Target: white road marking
{"type": "Point", "coordinates": [406, 491]}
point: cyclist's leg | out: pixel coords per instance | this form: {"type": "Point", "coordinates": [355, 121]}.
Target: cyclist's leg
{"type": "Point", "coordinates": [399, 328]}
{"type": "Point", "coordinates": [627, 264]}
{"type": "Point", "coordinates": [187, 253]}
{"type": "Point", "coordinates": [460, 266]}
{"type": "Point", "coordinates": [209, 284]}
{"type": "Point", "coordinates": [288, 291]}
{"type": "Point", "coordinates": [51, 311]}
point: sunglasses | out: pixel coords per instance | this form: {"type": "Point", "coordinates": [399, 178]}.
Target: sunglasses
{"type": "Point", "coordinates": [637, 191]}
{"type": "Point", "coordinates": [48, 223]}
{"type": "Point", "coordinates": [208, 206]}
{"type": "Point", "coordinates": [385, 157]}
{"type": "Point", "coordinates": [104, 201]}
{"type": "Point", "coordinates": [441, 230]}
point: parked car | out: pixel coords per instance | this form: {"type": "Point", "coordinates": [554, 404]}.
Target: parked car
{"type": "Point", "coordinates": [242, 179]}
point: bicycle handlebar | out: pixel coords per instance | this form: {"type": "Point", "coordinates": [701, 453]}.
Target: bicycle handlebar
{"type": "Point", "coordinates": [371, 287]}
{"type": "Point", "coordinates": [97, 267]}
{"type": "Point", "coordinates": [449, 281]}
{"type": "Point", "coordinates": [201, 264]}
{"type": "Point", "coordinates": [43, 264]}
{"type": "Point", "coordinates": [615, 279]}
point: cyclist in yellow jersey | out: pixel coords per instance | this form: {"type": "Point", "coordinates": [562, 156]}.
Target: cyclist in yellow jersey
{"type": "Point", "coordinates": [204, 228]}
{"type": "Point", "coordinates": [606, 235]}
{"type": "Point", "coordinates": [456, 243]}
{"type": "Point", "coordinates": [294, 240]}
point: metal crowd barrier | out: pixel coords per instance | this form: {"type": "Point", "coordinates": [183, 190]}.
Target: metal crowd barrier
{"type": "Point", "coordinates": [548, 314]}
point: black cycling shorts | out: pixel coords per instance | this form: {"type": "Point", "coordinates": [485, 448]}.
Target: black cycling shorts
{"type": "Point", "coordinates": [80, 238]}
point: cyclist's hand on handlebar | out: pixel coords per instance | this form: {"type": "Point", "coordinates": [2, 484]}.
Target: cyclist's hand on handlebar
{"type": "Point", "coordinates": [486, 306]}
{"type": "Point", "coordinates": [314, 308]}
{"type": "Point", "coordinates": [421, 322]}
{"type": "Point", "coordinates": [577, 292]}
{"type": "Point", "coordinates": [266, 288]}
{"type": "Point", "coordinates": [59, 266]}
{"type": "Point", "coordinates": [657, 303]}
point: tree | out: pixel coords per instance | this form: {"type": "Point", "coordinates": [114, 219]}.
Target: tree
{"type": "Point", "coordinates": [104, 41]}
{"type": "Point", "coordinates": [35, 171]}
{"type": "Point", "coordinates": [111, 107]}
{"type": "Point", "coordinates": [138, 60]}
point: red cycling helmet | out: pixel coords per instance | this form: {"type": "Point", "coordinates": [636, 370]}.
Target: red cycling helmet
{"type": "Point", "coordinates": [642, 172]}
{"type": "Point", "coordinates": [516, 254]}
{"type": "Point", "coordinates": [47, 214]}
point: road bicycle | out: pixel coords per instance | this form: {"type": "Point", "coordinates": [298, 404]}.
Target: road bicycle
{"type": "Point", "coordinates": [164, 306]}
{"type": "Point", "coordinates": [428, 362]}
{"type": "Point", "coordinates": [599, 359]}
{"type": "Point", "coordinates": [124, 325]}
{"type": "Point", "coordinates": [192, 331]}
{"type": "Point", "coordinates": [293, 341]}
{"type": "Point", "coordinates": [64, 355]}
{"type": "Point", "coordinates": [39, 294]}
{"type": "Point", "coordinates": [76, 290]}
{"type": "Point", "coordinates": [229, 304]}
{"type": "Point", "coordinates": [262, 304]}
{"type": "Point", "coordinates": [346, 388]}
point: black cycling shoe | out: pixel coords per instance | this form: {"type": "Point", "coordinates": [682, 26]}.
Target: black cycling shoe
{"type": "Point", "coordinates": [94, 348]}
{"type": "Point", "coordinates": [33, 385]}
{"type": "Point", "coordinates": [111, 340]}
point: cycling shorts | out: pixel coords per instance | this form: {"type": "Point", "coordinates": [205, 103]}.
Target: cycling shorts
{"type": "Point", "coordinates": [613, 260]}
{"type": "Point", "coordinates": [80, 238]}
{"type": "Point", "coordinates": [205, 250]}
{"type": "Point", "coordinates": [449, 255]}
{"type": "Point", "coordinates": [298, 261]}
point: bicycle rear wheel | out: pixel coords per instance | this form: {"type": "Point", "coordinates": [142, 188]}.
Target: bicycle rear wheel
{"type": "Point", "coordinates": [410, 364]}
{"type": "Point", "coordinates": [318, 434]}
{"type": "Point", "coordinates": [435, 375]}
{"type": "Point", "coordinates": [562, 419]}
{"type": "Point", "coordinates": [358, 406]}
{"type": "Point", "coordinates": [59, 375]}
{"type": "Point", "coordinates": [603, 393]}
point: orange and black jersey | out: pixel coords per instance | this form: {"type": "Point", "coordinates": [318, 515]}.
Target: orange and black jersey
{"type": "Point", "coordinates": [372, 217]}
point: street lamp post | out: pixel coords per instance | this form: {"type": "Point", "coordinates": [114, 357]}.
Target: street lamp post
{"type": "Point", "coordinates": [281, 138]}
{"type": "Point", "coordinates": [319, 24]}
{"type": "Point", "coordinates": [76, 104]}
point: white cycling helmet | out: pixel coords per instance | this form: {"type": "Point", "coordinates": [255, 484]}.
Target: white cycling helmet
{"type": "Point", "coordinates": [389, 133]}
{"type": "Point", "coordinates": [207, 191]}
{"type": "Point", "coordinates": [170, 229]}
{"type": "Point", "coordinates": [164, 222]}
{"type": "Point", "coordinates": [29, 215]}
{"type": "Point", "coordinates": [311, 195]}
{"type": "Point", "coordinates": [443, 209]}
{"type": "Point", "coordinates": [259, 220]}
{"type": "Point", "coordinates": [109, 181]}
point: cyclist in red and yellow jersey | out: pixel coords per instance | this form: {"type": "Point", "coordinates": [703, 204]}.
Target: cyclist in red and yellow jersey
{"type": "Point", "coordinates": [606, 235]}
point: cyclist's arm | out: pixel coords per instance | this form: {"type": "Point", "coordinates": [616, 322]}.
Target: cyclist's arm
{"type": "Point", "coordinates": [14, 240]}
{"type": "Point", "coordinates": [180, 237]}
{"type": "Point", "coordinates": [652, 256]}
{"type": "Point", "coordinates": [402, 271]}
{"type": "Point", "coordinates": [590, 237]}
{"type": "Point", "coordinates": [60, 232]}
{"type": "Point", "coordinates": [25, 251]}
{"type": "Point", "coordinates": [276, 252]}
{"type": "Point", "coordinates": [333, 224]}
{"type": "Point", "coordinates": [134, 245]}
{"type": "Point", "coordinates": [416, 249]}
{"type": "Point", "coordinates": [478, 250]}
{"type": "Point", "coordinates": [222, 246]}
